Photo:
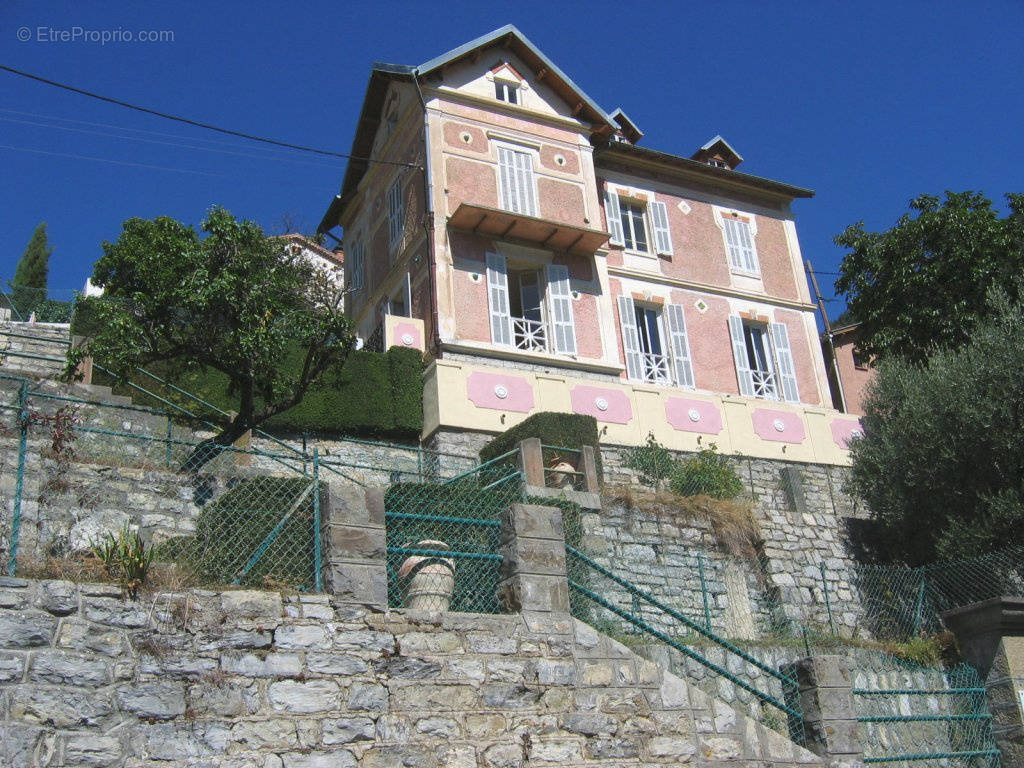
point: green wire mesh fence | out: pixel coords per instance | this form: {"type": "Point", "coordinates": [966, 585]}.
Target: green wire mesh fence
{"type": "Point", "coordinates": [912, 715]}
{"type": "Point", "coordinates": [443, 538]}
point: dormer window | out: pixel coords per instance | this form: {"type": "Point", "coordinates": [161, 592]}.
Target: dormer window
{"type": "Point", "coordinates": [717, 162]}
{"type": "Point", "coordinates": [506, 91]}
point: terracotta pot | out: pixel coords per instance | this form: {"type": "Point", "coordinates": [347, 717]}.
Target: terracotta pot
{"type": "Point", "coordinates": [431, 580]}
{"type": "Point", "coordinates": [562, 475]}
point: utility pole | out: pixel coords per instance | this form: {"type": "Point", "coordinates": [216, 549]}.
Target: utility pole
{"type": "Point", "coordinates": [828, 333]}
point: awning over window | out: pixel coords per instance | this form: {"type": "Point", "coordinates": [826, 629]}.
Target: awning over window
{"type": "Point", "coordinates": [544, 233]}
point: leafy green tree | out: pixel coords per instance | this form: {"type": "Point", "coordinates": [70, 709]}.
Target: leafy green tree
{"type": "Point", "coordinates": [923, 282]}
{"type": "Point", "coordinates": [28, 288]}
{"type": "Point", "coordinates": [941, 465]}
{"type": "Point", "coordinates": [233, 301]}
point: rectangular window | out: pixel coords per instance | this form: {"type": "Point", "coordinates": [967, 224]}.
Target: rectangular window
{"type": "Point", "coordinates": [526, 302]}
{"type": "Point", "coordinates": [517, 185]}
{"type": "Point", "coordinates": [740, 244]}
{"type": "Point", "coordinates": [858, 361]}
{"type": "Point", "coordinates": [395, 213]}
{"type": "Point", "coordinates": [634, 228]}
{"type": "Point", "coordinates": [531, 309]}
{"type": "Point", "coordinates": [654, 361]}
{"type": "Point", "coordinates": [759, 361]}
{"type": "Point", "coordinates": [356, 267]}
{"type": "Point", "coordinates": [506, 91]}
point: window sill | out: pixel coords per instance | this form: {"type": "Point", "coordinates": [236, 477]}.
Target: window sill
{"type": "Point", "coordinates": [744, 273]}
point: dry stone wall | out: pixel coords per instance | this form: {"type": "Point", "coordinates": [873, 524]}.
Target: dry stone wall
{"type": "Point", "coordinates": [260, 679]}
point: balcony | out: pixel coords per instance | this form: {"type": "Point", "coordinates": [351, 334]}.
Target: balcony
{"type": "Point", "coordinates": [544, 233]}
{"type": "Point", "coordinates": [530, 335]}
{"type": "Point", "coordinates": [656, 368]}
{"type": "Point", "coordinates": [764, 385]}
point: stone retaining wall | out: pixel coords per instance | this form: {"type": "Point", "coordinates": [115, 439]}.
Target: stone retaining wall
{"type": "Point", "coordinates": [239, 678]}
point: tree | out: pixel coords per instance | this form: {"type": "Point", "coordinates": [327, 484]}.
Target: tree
{"type": "Point", "coordinates": [941, 463]}
{"type": "Point", "coordinates": [234, 301]}
{"type": "Point", "coordinates": [923, 282]}
{"type": "Point", "coordinates": [28, 288]}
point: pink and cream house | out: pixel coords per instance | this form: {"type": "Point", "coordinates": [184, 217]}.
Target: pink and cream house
{"type": "Point", "coordinates": [543, 259]}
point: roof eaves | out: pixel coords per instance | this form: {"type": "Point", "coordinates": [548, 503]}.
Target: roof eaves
{"type": "Point", "coordinates": [724, 174]}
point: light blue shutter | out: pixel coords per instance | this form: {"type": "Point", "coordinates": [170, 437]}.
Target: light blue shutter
{"type": "Point", "coordinates": [681, 362]}
{"type": "Point", "coordinates": [507, 177]}
{"type": "Point", "coordinates": [662, 235]}
{"type": "Point", "coordinates": [630, 339]}
{"type": "Point", "coordinates": [561, 309]}
{"type": "Point", "coordinates": [527, 186]}
{"type": "Point", "coordinates": [746, 246]}
{"type": "Point", "coordinates": [732, 244]}
{"type": "Point", "coordinates": [614, 216]}
{"type": "Point", "coordinates": [739, 352]}
{"type": "Point", "coordinates": [497, 298]}
{"type": "Point", "coordinates": [784, 362]}
{"type": "Point", "coordinates": [355, 269]}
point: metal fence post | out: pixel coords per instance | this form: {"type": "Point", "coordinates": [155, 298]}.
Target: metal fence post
{"type": "Point", "coordinates": [828, 602]}
{"type": "Point", "coordinates": [19, 486]}
{"type": "Point", "coordinates": [167, 445]}
{"type": "Point", "coordinates": [317, 547]}
{"type": "Point", "coordinates": [704, 590]}
{"type": "Point", "coordinates": [919, 603]}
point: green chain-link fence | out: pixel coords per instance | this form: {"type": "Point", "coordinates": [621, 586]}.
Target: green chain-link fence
{"type": "Point", "coordinates": [913, 715]}
{"type": "Point", "coordinates": [443, 538]}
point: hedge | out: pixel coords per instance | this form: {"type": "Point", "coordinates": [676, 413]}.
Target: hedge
{"type": "Point", "coordinates": [375, 395]}
{"type": "Point", "coordinates": [568, 430]}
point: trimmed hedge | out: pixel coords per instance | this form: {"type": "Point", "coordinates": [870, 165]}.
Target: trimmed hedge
{"type": "Point", "coordinates": [374, 395]}
{"type": "Point", "coordinates": [568, 430]}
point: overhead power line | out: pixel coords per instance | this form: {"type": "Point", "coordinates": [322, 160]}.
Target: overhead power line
{"type": "Point", "coordinates": [197, 123]}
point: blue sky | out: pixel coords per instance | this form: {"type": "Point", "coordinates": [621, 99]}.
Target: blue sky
{"type": "Point", "coordinates": [869, 104]}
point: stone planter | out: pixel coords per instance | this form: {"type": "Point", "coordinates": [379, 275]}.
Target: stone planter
{"type": "Point", "coordinates": [430, 580]}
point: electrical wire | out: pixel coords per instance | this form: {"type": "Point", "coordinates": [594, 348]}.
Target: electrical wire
{"type": "Point", "coordinates": [108, 160]}
{"type": "Point", "coordinates": [197, 123]}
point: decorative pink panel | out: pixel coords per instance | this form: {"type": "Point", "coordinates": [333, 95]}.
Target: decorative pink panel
{"type": "Point", "coordinates": [603, 404]}
{"type": "Point", "coordinates": [844, 430]}
{"type": "Point", "coordinates": [500, 392]}
{"type": "Point", "coordinates": [778, 426]}
{"type": "Point", "coordinates": [407, 335]}
{"type": "Point", "coordinates": [688, 415]}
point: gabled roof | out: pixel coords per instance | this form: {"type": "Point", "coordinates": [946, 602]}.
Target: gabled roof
{"type": "Point", "coordinates": [338, 257]}
{"type": "Point", "coordinates": [381, 75]}
{"type": "Point", "coordinates": [720, 146]}
{"type": "Point", "coordinates": [629, 128]}
{"type": "Point", "coordinates": [510, 37]}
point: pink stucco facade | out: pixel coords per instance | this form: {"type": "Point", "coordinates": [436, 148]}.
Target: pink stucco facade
{"type": "Point", "coordinates": [472, 228]}
{"type": "Point", "coordinates": [854, 374]}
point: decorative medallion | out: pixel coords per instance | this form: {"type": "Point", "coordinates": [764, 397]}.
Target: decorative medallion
{"type": "Point", "coordinates": [501, 391]}
{"type": "Point", "coordinates": [779, 425]}
{"type": "Point", "coordinates": [694, 415]}
{"type": "Point", "coordinates": [408, 339]}
{"type": "Point", "coordinates": [601, 403]}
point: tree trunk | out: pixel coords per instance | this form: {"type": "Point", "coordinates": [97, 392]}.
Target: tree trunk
{"type": "Point", "coordinates": [213, 447]}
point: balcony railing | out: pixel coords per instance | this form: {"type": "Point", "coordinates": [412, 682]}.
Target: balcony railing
{"type": "Point", "coordinates": [530, 335]}
{"type": "Point", "coordinates": [656, 368]}
{"type": "Point", "coordinates": [764, 385]}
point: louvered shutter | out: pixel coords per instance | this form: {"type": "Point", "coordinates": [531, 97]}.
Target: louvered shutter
{"type": "Point", "coordinates": [739, 352]}
{"type": "Point", "coordinates": [561, 309]}
{"type": "Point", "coordinates": [784, 362]}
{"type": "Point", "coordinates": [515, 172]}
{"type": "Point", "coordinates": [740, 245]}
{"type": "Point", "coordinates": [497, 298]}
{"type": "Point", "coordinates": [507, 177]}
{"type": "Point", "coordinates": [681, 362]}
{"type": "Point", "coordinates": [395, 212]}
{"type": "Point", "coordinates": [355, 272]}
{"type": "Point", "coordinates": [614, 215]}
{"type": "Point", "coordinates": [630, 339]}
{"type": "Point", "coordinates": [662, 236]}
{"type": "Point", "coordinates": [527, 187]}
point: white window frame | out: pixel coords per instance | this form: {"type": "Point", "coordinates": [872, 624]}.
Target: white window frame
{"type": "Point", "coordinates": [780, 376]}
{"type": "Point", "coordinates": [531, 201]}
{"type": "Point", "coordinates": [675, 366]}
{"type": "Point", "coordinates": [396, 213]}
{"type": "Point", "coordinates": [509, 87]}
{"type": "Point", "coordinates": [405, 289]}
{"type": "Point", "coordinates": [657, 229]}
{"type": "Point", "coordinates": [740, 263]}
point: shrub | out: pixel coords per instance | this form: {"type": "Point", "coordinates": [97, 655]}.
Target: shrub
{"type": "Point", "coordinates": [247, 518]}
{"type": "Point", "coordinates": [568, 430]}
{"type": "Point", "coordinates": [706, 474]}
{"type": "Point", "coordinates": [653, 461]}
{"type": "Point", "coordinates": [125, 558]}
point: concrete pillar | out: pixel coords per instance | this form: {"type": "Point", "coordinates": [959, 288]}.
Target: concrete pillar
{"type": "Point", "coordinates": [589, 469]}
{"type": "Point", "coordinates": [826, 700]}
{"type": "Point", "coordinates": [533, 575]}
{"type": "Point", "coordinates": [355, 546]}
{"type": "Point", "coordinates": [531, 461]}
{"type": "Point", "coordinates": [991, 638]}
